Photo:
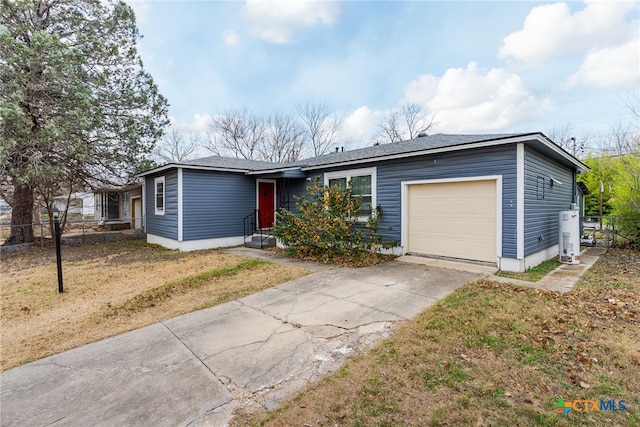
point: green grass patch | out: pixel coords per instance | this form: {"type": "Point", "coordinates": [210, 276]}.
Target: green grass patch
{"type": "Point", "coordinates": [533, 274]}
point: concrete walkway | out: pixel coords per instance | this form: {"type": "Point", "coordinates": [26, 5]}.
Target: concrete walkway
{"type": "Point", "coordinates": [563, 278]}
{"type": "Point", "coordinates": [194, 370]}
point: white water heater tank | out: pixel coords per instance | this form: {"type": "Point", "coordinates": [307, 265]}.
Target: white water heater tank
{"type": "Point", "coordinates": [569, 243]}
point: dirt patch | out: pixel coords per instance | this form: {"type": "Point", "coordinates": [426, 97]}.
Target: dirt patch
{"type": "Point", "coordinates": [494, 354]}
{"type": "Point", "coordinates": [114, 287]}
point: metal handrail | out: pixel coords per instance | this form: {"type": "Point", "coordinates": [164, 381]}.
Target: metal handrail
{"type": "Point", "coordinates": [249, 223]}
{"type": "Point", "coordinates": [251, 226]}
{"type": "Point", "coordinates": [264, 235]}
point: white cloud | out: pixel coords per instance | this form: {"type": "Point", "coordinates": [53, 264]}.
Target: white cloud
{"type": "Point", "coordinates": [472, 99]}
{"type": "Point", "coordinates": [276, 21]}
{"type": "Point", "coordinates": [552, 30]}
{"type": "Point", "coordinates": [359, 127]}
{"type": "Point", "coordinates": [231, 37]}
{"type": "Point", "coordinates": [201, 121]}
{"type": "Point", "coordinates": [616, 67]}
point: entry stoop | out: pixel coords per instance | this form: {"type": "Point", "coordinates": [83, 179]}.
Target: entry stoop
{"type": "Point", "coordinates": [260, 242]}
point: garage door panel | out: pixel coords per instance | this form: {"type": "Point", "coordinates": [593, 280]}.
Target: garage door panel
{"type": "Point", "coordinates": [456, 219]}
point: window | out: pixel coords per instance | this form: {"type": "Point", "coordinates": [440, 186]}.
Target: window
{"type": "Point", "coordinates": [363, 183]}
{"type": "Point", "coordinates": [159, 182]}
{"type": "Point", "coordinates": [540, 188]}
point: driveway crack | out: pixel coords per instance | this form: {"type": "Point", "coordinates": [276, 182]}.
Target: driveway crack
{"type": "Point", "coordinates": [192, 352]}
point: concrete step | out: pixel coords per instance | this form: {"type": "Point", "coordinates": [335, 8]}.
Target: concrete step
{"type": "Point", "coordinates": [255, 242]}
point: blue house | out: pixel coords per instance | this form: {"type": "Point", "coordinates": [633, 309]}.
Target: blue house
{"type": "Point", "coordinates": [486, 198]}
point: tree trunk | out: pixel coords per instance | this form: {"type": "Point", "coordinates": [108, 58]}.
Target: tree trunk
{"type": "Point", "coordinates": [21, 216]}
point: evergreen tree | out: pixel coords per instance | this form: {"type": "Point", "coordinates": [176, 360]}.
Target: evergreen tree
{"type": "Point", "coordinates": [76, 106]}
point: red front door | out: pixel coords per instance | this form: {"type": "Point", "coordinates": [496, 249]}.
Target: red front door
{"type": "Point", "coordinates": [266, 202]}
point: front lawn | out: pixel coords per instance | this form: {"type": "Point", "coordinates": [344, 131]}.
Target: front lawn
{"type": "Point", "coordinates": [494, 354]}
{"type": "Point", "coordinates": [112, 288]}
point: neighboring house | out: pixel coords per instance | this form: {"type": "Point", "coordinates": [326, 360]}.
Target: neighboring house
{"type": "Point", "coordinates": [81, 206]}
{"type": "Point", "coordinates": [486, 198]}
{"type": "Point", "coordinates": [120, 207]}
{"type": "Point", "coordinates": [4, 207]}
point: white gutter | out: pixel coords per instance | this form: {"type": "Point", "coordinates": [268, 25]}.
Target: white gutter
{"type": "Point", "coordinates": [195, 167]}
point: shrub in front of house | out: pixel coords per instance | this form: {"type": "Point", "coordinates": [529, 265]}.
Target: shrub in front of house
{"type": "Point", "coordinates": [328, 226]}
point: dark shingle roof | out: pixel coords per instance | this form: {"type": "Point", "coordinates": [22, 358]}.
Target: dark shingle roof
{"type": "Point", "coordinates": [417, 145]}
{"type": "Point", "coordinates": [430, 142]}
{"type": "Point", "coordinates": [230, 163]}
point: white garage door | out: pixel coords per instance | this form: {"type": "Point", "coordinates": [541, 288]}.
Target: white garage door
{"type": "Point", "coordinates": [453, 219]}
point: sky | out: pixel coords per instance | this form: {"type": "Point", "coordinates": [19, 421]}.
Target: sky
{"type": "Point", "coordinates": [478, 66]}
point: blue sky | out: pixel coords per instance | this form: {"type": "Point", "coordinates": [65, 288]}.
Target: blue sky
{"type": "Point", "coordinates": [479, 66]}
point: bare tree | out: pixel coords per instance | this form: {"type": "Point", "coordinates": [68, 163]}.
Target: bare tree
{"type": "Point", "coordinates": [321, 126]}
{"type": "Point", "coordinates": [564, 136]}
{"type": "Point", "coordinates": [284, 139]}
{"type": "Point", "coordinates": [177, 145]}
{"type": "Point", "coordinates": [624, 140]}
{"type": "Point", "coordinates": [238, 134]}
{"type": "Point", "coordinates": [417, 120]}
{"type": "Point", "coordinates": [389, 129]}
{"type": "Point", "coordinates": [408, 123]}
{"type": "Point", "coordinates": [632, 101]}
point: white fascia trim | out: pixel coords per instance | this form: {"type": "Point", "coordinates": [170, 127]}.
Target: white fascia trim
{"type": "Point", "coordinates": [490, 143]}
{"type": "Point", "coordinates": [195, 245]}
{"type": "Point", "coordinates": [552, 146]}
{"type": "Point", "coordinates": [404, 213]}
{"type": "Point", "coordinates": [520, 201]}
{"type": "Point", "coordinates": [196, 167]}
{"type": "Point", "coordinates": [259, 172]}
{"type": "Point", "coordinates": [180, 212]}
{"type": "Point", "coordinates": [348, 173]}
{"type": "Point", "coordinates": [275, 188]}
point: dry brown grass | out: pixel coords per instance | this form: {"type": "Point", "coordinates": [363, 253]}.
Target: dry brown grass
{"type": "Point", "coordinates": [493, 354]}
{"type": "Point", "coordinates": [111, 288]}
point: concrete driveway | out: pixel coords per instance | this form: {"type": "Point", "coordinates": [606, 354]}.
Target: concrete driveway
{"type": "Point", "coordinates": [197, 368]}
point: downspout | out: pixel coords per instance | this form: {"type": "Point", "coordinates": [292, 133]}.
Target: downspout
{"type": "Point", "coordinates": [574, 188]}
{"type": "Point", "coordinates": [180, 206]}
{"type": "Point", "coordinates": [143, 221]}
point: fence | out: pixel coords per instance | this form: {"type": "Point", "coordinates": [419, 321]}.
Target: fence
{"type": "Point", "coordinates": [82, 231]}
{"type": "Point", "coordinates": [608, 231]}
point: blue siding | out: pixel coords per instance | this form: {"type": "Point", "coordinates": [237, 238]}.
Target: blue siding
{"type": "Point", "coordinates": [499, 160]}
{"type": "Point", "coordinates": [163, 225]}
{"type": "Point", "coordinates": [214, 203]}
{"type": "Point", "coordinates": [287, 189]}
{"type": "Point", "coordinates": [541, 214]}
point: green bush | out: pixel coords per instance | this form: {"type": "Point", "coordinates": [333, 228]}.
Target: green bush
{"type": "Point", "coordinates": [327, 225]}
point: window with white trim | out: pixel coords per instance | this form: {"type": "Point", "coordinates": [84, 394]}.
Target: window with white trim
{"type": "Point", "coordinates": [159, 195]}
{"type": "Point", "coordinates": [363, 184]}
